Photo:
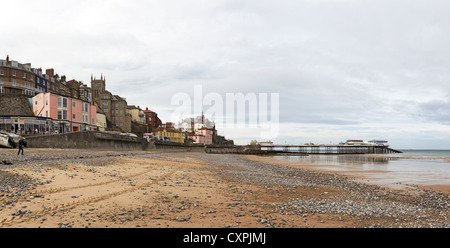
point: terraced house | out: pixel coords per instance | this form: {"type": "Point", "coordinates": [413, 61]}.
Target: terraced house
{"type": "Point", "coordinates": [57, 105]}
{"type": "Point", "coordinates": [18, 79]}
{"type": "Point", "coordinates": [68, 114]}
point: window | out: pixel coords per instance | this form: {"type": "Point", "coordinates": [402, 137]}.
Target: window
{"type": "Point", "coordinates": [59, 102]}
{"type": "Point", "coordinates": [62, 114]}
{"type": "Point", "coordinates": [14, 82]}
{"type": "Point", "coordinates": [46, 113]}
{"type": "Point", "coordinates": [14, 73]}
{"type": "Point", "coordinates": [64, 102]}
{"type": "Point", "coordinates": [73, 116]}
{"type": "Point", "coordinates": [46, 101]}
{"type": "Point", "coordinates": [2, 72]}
{"type": "Point", "coordinates": [74, 104]}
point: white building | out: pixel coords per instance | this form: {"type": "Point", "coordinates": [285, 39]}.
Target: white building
{"type": "Point", "coordinates": [194, 124]}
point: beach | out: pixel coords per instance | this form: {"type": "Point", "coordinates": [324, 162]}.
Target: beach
{"type": "Point", "coordinates": [50, 188]}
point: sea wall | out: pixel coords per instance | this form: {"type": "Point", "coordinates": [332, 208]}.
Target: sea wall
{"type": "Point", "coordinates": [234, 149]}
{"type": "Point", "coordinates": [87, 140]}
{"type": "Point", "coordinates": [167, 145]}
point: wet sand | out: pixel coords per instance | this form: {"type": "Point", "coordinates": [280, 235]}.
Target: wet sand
{"type": "Point", "coordinates": [112, 189]}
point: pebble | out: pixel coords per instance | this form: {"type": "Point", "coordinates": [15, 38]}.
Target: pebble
{"type": "Point", "coordinates": [365, 202]}
{"type": "Point", "coordinates": [181, 219]}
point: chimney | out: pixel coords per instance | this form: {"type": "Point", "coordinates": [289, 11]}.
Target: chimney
{"type": "Point", "coordinates": [50, 72]}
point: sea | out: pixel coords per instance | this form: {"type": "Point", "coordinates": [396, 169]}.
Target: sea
{"type": "Point", "coordinates": [403, 171]}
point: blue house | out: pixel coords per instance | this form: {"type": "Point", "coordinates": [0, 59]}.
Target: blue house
{"type": "Point", "coordinates": [41, 81]}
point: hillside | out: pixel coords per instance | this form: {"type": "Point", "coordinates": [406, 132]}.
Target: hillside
{"type": "Point", "coordinates": [15, 105]}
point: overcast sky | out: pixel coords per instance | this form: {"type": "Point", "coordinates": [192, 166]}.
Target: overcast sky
{"type": "Point", "coordinates": [343, 69]}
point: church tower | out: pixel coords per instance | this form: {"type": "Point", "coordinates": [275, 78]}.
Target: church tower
{"type": "Point", "coordinates": [98, 86]}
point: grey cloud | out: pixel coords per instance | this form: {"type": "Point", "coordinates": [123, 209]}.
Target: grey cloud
{"type": "Point", "coordinates": [334, 63]}
{"type": "Point", "coordinates": [437, 110]}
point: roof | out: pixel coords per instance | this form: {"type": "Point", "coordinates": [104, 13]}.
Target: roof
{"type": "Point", "coordinates": [118, 98]}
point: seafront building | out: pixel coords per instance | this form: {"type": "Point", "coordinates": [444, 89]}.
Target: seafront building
{"type": "Point", "coordinates": [18, 79]}
{"type": "Point", "coordinates": [68, 114]}
{"type": "Point", "coordinates": [168, 134]}
{"type": "Point", "coordinates": [151, 120]}
{"type": "Point", "coordinates": [203, 135]}
{"type": "Point", "coordinates": [25, 124]}
{"type": "Point", "coordinates": [20, 83]}
{"type": "Point", "coordinates": [114, 107]}
{"type": "Point", "coordinates": [37, 101]}
{"type": "Point", "coordinates": [191, 125]}
{"type": "Point", "coordinates": [22, 79]}
{"type": "Point", "coordinates": [137, 114]}
{"type": "Point", "coordinates": [101, 122]}
{"type": "Point", "coordinates": [198, 130]}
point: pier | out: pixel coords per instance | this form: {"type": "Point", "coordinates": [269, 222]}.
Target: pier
{"type": "Point", "coordinates": [329, 149]}
{"type": "Point", "coordinates": [270, 149]}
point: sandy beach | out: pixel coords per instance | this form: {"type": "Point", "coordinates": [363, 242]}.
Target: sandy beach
{"type": "Point", "coordinates": [50, 188]}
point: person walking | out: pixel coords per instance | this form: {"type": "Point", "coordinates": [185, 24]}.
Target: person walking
{"type": "Point", "coordinates": [21, 143]}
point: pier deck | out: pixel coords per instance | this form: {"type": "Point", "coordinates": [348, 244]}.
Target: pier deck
{"type": "Point", "coordinates": [330, 149]}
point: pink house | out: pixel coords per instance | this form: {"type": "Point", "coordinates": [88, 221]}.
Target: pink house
{"type": "Point", "coordinates": [68, 114]}
{"type": "Point", "coordinates": [204, 136]}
